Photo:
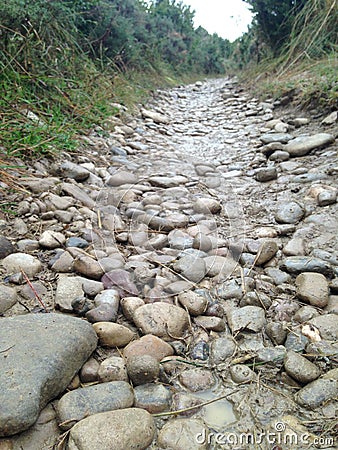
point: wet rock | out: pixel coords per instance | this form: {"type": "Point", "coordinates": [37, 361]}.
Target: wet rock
{"type": "Point", "coordinates": [121, 280]}
{"type": "Point", "coordinates": [299, 264]}
{"type": "Point", "coordinates": [316, 393]}
{"type": "Point", "coordinates": [290, 212]}
{"type": "Point", "coordinates": [327, 325]}
{"type": "Point", "coordinates": [6, 247]}
{"type": "Point", "coordinates": [266, 251]}
{"type": "Point", "coordinates": [162, 320]}
{"type": "Point", "coordinates": [313, 288]}
{"type": "Point", "coordinates": [195, 304]}
{"type": "Point", "coordinates": [112, 334]}
{"type": "Point", "coordinates": [249, 317]}
{"type": "Point", "coordinates": [207, 205]}
{"type": "Point", "coordinates": [154, 398]}
{"type": "Point", "coordinates": [131, 428]}
{"type": "Point", "coordinates": [148, 345]}
{"type": "Point", "coordinates": [197, 379]}
{"type": "Point", "coordinates": [142, 369]}
{"type": "Point", "coordinates": [80, 403]}
{"type": "Point", "coordinates": [65, 342]}
{"type": "Point", "coordinates": [113, 369]}
{"type": "Point", "coordinates": [300, 368]}
{"type": "Point", "coordinates": [240, 373]}
{"type": "Point", "coordinates": [17, 262]}
{"type": "Point", "coordinates": [87, 266]}
{"type": "Point", "coordinates": [210, 323]}
{"type": "Point", "coordinates": [184, 434]}
{"type": "Point", "coordinates": [266, 174]}
{"type": "Point", "coordinates": [221, 349]}
{"type": "Point", "coordinates": [302, 145]}
{"type": "Point", "coordinates": [8, 298]}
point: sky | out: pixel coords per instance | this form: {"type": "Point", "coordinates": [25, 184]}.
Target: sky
{"type": "Point", "coordinates": [228, 18]}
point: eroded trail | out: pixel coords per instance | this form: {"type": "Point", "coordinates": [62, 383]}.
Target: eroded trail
{"type": "Point", "coordinates": [199, 238]}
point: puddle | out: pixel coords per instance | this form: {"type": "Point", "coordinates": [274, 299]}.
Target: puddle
{"type": "Point", "coordinates": [219, 414]}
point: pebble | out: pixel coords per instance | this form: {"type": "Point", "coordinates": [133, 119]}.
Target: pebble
{"type": "Point", "coordinates": [327, 197]}
{"type": "Point", "coordinates": [207, 205]}
{"type": "Point", "coordinates": [299, 264]}
{"type": "Point", "coordinates": [122, 177]}
{"type": "Point", "coordinates": [268, 138]}
{"type": "Point", "coordinates": [6, 247]}
{"type": "Point", "coordinates": [131, 428]}
{"type": "Point", "coordinates": [240, 373]}
{"type": "Point", "coordinates": [194, 303]}
{"type": "Point", "coordinates": [327, 325]}
{"type": "Point", "coordinates": [112, 334]}
{"type": "Point", "coordinates": [103, 313]}
{"type": "Point", "coordinates": [8, 298]}
{"type": "Point", "coordinates": [17, 262]}
{"type": "Point", "coordinates": [184, 434]}
{"type": "Point", "coordinates": [249, 317]}
{"type": "Point", "coordinates": [89, 371]}
{"type": "Point", "coordinates": [300, 368]}
{"type": "Point", "coordinates": [313, 288]}
{"type": "Point", "coordinates": [302, 145]}
{"type": "Point", "coordinates": [87, 266]}
{"type": "Point", "coordinates": [148, 345]}
{"type": "Point", "coordinates": [266, 174]}
{"type": "Point", "coordinates": [80, 403]}
{"type": "Point", "coordinates": [266, 251]}
{"type": "Point", "coordinates": [70, 170]}
{"type": "Point", "coordinates": [276, 332]}
{"type": "Point", "coordinates": [65, 342]}
{"type": "Point", "coordinates": [290, 212]}
{"type": "Point", "coordinates": [121, 281]}
{"type": "Point", "coordinates": [197, 379]}
{"type": "Point", "coordinates": [142, 369]}
{"type": "Point", "coordinates": [316, 393]}
{"type": "Point", "coordinates": [67, 290]}
{"type": "Point", "coordinates": [154, 398]}
{"type": "Point", "coordinates": [222, 349]}
{"type": "Point", "coordinates": [162, 320]}
{"type": "Point", "coordinates": [295, 247]}
{"type": "Point", "coordinates": [113, 369]}
{"type": "Point", "coordinates": [210, 323]}
{"type": "Point", "coordinates": [296, 342]}
{"type": "Point", "coordinates": [193, 269]}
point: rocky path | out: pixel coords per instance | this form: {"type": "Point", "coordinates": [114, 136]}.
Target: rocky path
{"type": "Point", "coordinates": [184, 261]}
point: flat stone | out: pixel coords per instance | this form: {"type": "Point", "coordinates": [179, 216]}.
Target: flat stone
{"type": "Point", "coordinates": [251, 318]}
{"type": "Point", "coordinates": [154, 398]}
{"type": "Point", "coordinates": [327, 197]}
{"type": "Point", "coordinates": [327, 325]}
{"type": "Point", "coordinates": [8, 298]}
{"type": "Point", "coordinates": [121, 280]}
{"type": "Point", "coordinates": [330, 119]}
{"type": "Point", "coordinates": [300, 368]}
{"type": "Point", "coordinates": [69, 169]}
{"type": "Point", "coordinates": [162, 320]}
{"type": "Point", "coordinates": [268, 138]}
{"type": "Point", "coordinates": [79, 194]}
{"type": "Point", "coordinates": [80, 403]}
{"type": "Point", "coordinates": [6, 247]}
{"type": "Point", "coordinates": [316, 393]}
{"type": "Point", "coordinates": [17, 262]}
{"type": "Point", "coordinates": [168, 182]}
{"type": "Point", "coordinates": [302, 145]}
{"type": "Point", "coordinates": [112, 334]}
{"type": "Point", "coordinates": [210, 323]}
{"type": "Point", "coordinates": [206, 205]}
{"type": "Point", "coordinates": [65, 342]}
{"type": "Point", "coordinates": [131, 428]}
{"type": "Point", "coordinates": [299, 264]}
{"type": "Point", "coordinates": [148, 345]}
{"type": "Point", "coordinates": [295, 247]}
{"type": "Point", "coordinates": [184, 434]}
{"type": "Point", "coordinates": [313, 288]}
{"type": "Point", "coordinates": [219, 265]}
{"type": "Point", "coordinates": [290, 212]}
{"type": "Point", "coordinates": [155, 116]}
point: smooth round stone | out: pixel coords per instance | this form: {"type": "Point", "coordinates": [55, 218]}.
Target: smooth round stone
{"type": "Point", "coordinates": [89, 371]}
{"type": "Point", "coordinates": [17, 262]}
{"type": "Point", "coordinates": [77, 242]}
{"type": "Point", "coordinates": [268, 138]}
{"type": "Point", "coordinates": [210, 323]}
{"type": "Point", "coordinates": [317, 392]}
{"type": "Point", "coordinates": [327, 325]}
{"type": "Point", "coordinates": [266, 174]}
{"type": "Point", "coordinates": [300, 368]}
{"type": "Point", "coordinates": [222, 349]}
{"type": "Point", "coordinates": [305, 313]}
{"type": "Point", "coordinates": [327, 197]}
{"type": "Point", "coordinates": [6, 247]}
{"type": "Point", "coordinates": [154, 398]}
{"type": "Point", "coordinates": [63, 263]}
{"type": "Point", "coordinates": [291, 212]}
{"type": "Point", "coordinates": [148, 345]}
{"type": "Point", "coordinates": [122, 177]}
{"type": "Point", "coordinates": [207, 205]}
{"type": "Point", "coordinates": [131, 428]}
{"type": "Point", "coordinates": [91, 287]}
{"type": "Point", "coordinates": [240, 373]}
{"type": "Point", "coordinates": [192, 268]}
{"type": "Point", "coordinates": [180, 240]}
{"type": "Point", "coordinates": [279, 156]}
{"type": "Point", "coordinates": [296, 342]}
{"type": "Point", "coordinates": [197, 379]}
{"type": "Point", "coordinates": [25, 245]}
{"type": "Point", "coordinates": [103, 313]}
{"type": "Point", "coordinates": [187, 434]}
{"type": "Point", "coordinates": [267, 251]}
{"type": "Point", "coordinates": [80, 403]}
{"type": "Point", "coordinates": [89, 267]}
{"type": "Point", "coordinates": [276, 332]}
{"type": "Point", "coordinates": [278, 276]}
{"type": "Point", "coordinates": [299, 264]}
{"type": "Point", "coordinates": [302, 145]}
{"type": "Point", "coordinates": [113, 369]}
{"type": "Point", "coordinates": [195, 304]}
{"type": "Point", "coordinates": [313, 288]}
{"type": "Point", "coordinates": [8, 298]}
{"type": "Point", "coordinates": [108, 296]}
{"type": "Point", "coordinates": [142, 369]}
{"type": "Point", "coordinates": [112, 334]}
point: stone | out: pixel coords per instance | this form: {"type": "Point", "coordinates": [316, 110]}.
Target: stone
{"type": "Point", "coordinates": [67, 290]}
{"type": "Point", "coordinates": [121, 281]}
{"type": "Point", "coordinates": [184, 434]}
{"type": "Point", "coordinates": [240, 373]}
{"type": "Point", "coordinates": [197, 379]}
{"type": "Point", "coordinates": [317, 392]}
{"type": "Point", "coordinates": [180, 240]}
{"type": "Point", "coordinates": [219, 265]}
{"type": "Point", "coordinates": [168, 182]}
{"type": "Point", "coordinates": [276, 332]}
{"type": "Point", "coordinates": [300, 368]}
{"type": "Point", "coordinates": [69, 169]}
{"type": "Point", "coordinates": [251, 318]}
{"type": "Point", "coordinates": [122, 177]}
{"type": "Point", "coordinates": [26, 245]}
{"type": "Point", "coordinates": [142, 369]}
{"type": "Point", "coordinates": [112, 334]}
{"type": "Point", "coordinates": [65, 342]}
{"type": "Point", "coordinates": [113, 369]}
{"type": "Point", "coordinates": [266, 174]}
{"type": "Point", "coordinates": [155, 116]}
{"type": "Point", "coordinates": [89, 371]}
{"type": "Point", "coordinates": [194, 303]}
{"type": "Point", "coordinates": [192, 268]}
{"type": "Point", "coordinates": [268, 138]}
{"type": "Point", "coordinates": [131, 428]}
{"type": "Point", "coordinates": [77, 242]}
{"type": "Point", "coordinates": [296, 342]}
{"type": "Point", "coordinates": [129, 306]}
{"type": "Point", "coordinates": [267, 251]}
{"type": "Point", "coordinates": [327, 325]}
{"type": "Point", "coordinates": [302, 145]}
{"type": "Point", "coordinates": [305, 313]}
{"type": "Point", "coordinates": [148, 345]}
{"type": "Point", "coordinates": [6, 247]}
{"type": "Point", "coordinates": [299, 264]}
{"type": "Point", "coordinates": [290, 212]}
{"type": "Point", "coordinates": [327, 197]}
{"type": "Point", "coordinates": [278, 276]}
{"type": "Point", "coordinates": [79, 194]}
{"type": "Point", "coordinates": [162, 320]}
{"type": "Point", "coordinates": [8, 298]}
{"type": "Point", "coordinates": [279, 156]}
{"type": "Point", "coordinates": [17, 262]}
{"type": "Point", "coordinates": [102, 313]}
{"type": "Point", "coordinates": [87, 266]}
{"type": "Point", "coordinates": [210, 323]}
{"type": "Point", "coordinates": [330, 119]}
{"type": "Point", "coordinates": [222, 349]}
{"type": "Point", "coordinates": [295, 247]}
{"type": "Point", "coordinates": [313, 288]}
{"type": "Point", "coordinates": [108, 297]}
{"type": "Point", "coordinates": [52, 239]}
{"type": "Point", "coordinates": [63, 264]}
{"type": "Point", "coordinates": [154, 398]}
{"type": "Point", "coordinates": [273, 355]}
{"type": "Point", "coordinates": [206, 205]}
{"type": "Point", "coordinates": [80, 403]}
